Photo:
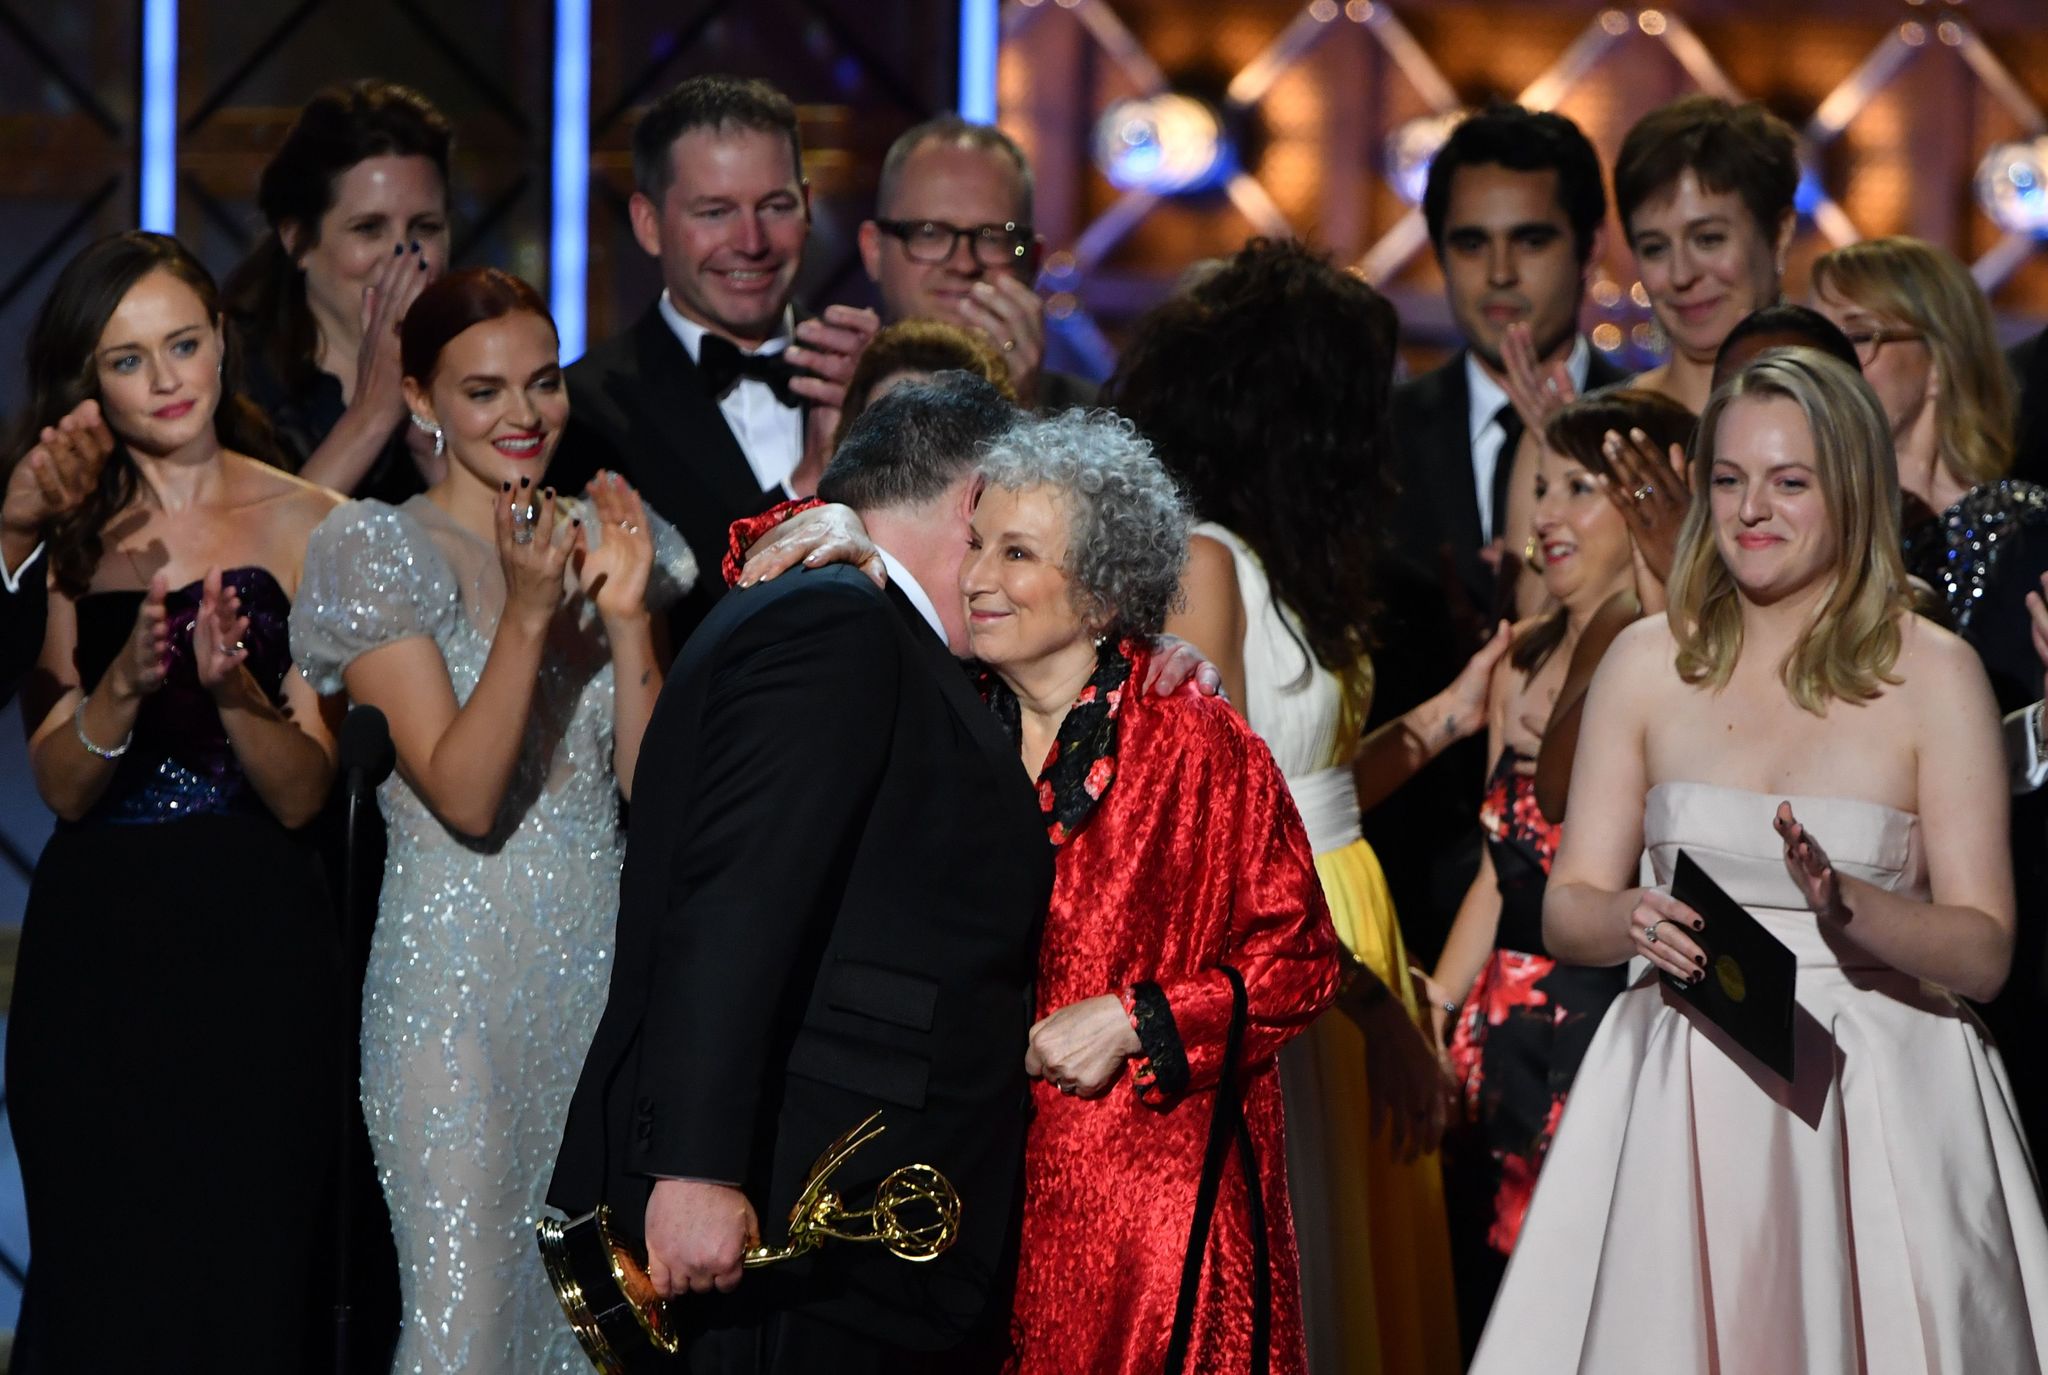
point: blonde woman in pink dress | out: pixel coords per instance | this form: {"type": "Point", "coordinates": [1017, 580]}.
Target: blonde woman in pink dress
{"type": "Point", "coordinates": [1833, 762]}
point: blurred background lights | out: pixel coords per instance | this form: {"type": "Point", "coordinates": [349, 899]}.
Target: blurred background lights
{"type": "Point", "coordinates": [2012, 186]}
{"type": "Point", "coordinates": [1412, 147]}
{"type": "Point", "coordinates": [1167, 144]}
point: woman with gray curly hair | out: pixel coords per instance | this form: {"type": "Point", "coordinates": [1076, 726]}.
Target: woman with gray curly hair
{"type": "Point", "coordinates": [1187, 938]}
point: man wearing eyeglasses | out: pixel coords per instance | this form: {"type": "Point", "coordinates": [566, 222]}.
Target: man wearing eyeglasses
{"type": "Point", "coordinates": [952, 241]}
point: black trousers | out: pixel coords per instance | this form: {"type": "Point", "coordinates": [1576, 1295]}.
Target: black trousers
{"type": "Point", "coordinates": [795, 1344]}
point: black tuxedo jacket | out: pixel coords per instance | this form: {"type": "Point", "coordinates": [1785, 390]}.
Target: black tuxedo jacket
{"type": "Point", "coordinates": [1438, 597]}
{"type": "Point", "coordinates": [639, 406]}
{"type": "Point", "coordinates": [23, 615]}
{"type": "Point", "coordinates": [831, 903]}
{"type": "Point", "coordinates": [1438, 508]}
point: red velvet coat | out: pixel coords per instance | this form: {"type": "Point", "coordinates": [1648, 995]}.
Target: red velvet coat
{"type": "Point", "coordinates": [1194, 858]}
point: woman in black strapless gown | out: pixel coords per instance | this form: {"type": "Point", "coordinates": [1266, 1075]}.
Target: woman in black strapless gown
{"type": "Point", "coordinates": [174, 1048]}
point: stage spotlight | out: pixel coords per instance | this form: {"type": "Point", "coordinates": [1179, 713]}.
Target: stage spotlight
{"type": "Point", "coordinates": [1169, 144]}
{"type": "Point", "coordinates": [2012, 186]}
{"type": "Point", "coordinates": [1412, 147]}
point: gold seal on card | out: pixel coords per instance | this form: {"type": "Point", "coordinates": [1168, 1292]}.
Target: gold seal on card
{"type": "Point", "coordinates": [1729, 974]}
{"type": "Point", "coordinates": [611, 1305]}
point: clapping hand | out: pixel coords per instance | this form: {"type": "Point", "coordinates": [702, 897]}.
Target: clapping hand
{"type": "Point", "coordinates": [144, 660]}
{"type": "Point", "coordinates": [1810, 867]}
{"type": "Point", "coordinates": [54, 478]}
{"type": "Point", "coordinates": [1538, 392]}
{"type": "Point", "coordinates": [827, 348]}
{"type": "Point", "coordinates": [1011, 316]}
{"type": "Point", "coordinates": [1649, 489]}
{"type": "Point", "coordinates": [217, 630]}
{"type": "Point", "coordinates": [532, 560]}
{"type": "Point", "coordinates": [613, 573]}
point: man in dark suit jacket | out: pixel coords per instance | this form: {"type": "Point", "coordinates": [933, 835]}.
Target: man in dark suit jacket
{"type": "Point", "coordinates": [830, 905]}
{"type": "Point", "coordinates": [1516, 208]}
{"type": "Point", "coordinates": [952, 241]}
{"type": "Point", "coordinates": [718, 402]}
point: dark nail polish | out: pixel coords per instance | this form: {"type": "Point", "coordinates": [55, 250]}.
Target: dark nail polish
{"type": "Point", "coordinates": [423, 264]}
{"type": "Point", "coordinates": [1700, 960]}
{"type": "Point", "coordinates": [504, 486]}
{"type": "Point", "coordinates": [525, 482]}
{"type": "Point", "coordinates": [577, 522]}
{"type": "Point", "coordinates": [1699, 924]}
{"type": "Point", "coordinates": [398, 250]}
{"type": "Point", "coordinates": [415, 245]}
{"type": "Point", "coordinates": [548, 492]}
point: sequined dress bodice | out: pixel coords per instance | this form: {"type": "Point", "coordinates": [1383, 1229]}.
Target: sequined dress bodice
{"type": "Point", "coordinates": [179, 762]}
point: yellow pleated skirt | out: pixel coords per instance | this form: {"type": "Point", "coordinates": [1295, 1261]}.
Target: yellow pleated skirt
{"type": "Point", "coordinates": [1375, 1251]}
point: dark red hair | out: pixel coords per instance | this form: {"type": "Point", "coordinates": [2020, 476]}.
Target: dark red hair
{"type": "Point", "coordinates": [454, 304]}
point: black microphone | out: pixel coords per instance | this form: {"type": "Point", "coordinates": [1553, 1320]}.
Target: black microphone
{"type": "Point", "coordinates": [367, 757]}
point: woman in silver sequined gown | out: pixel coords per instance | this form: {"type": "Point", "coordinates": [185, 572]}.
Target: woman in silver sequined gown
{"type": "Point", "coordinates": [516, 704]}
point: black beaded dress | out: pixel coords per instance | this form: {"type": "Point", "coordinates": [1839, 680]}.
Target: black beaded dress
{"type": "Point", "coordinates": [1982, 556]}
{"type": "Point", "coordinates": [174, 1067]}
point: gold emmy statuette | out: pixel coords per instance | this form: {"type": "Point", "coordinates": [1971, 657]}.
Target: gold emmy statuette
{"type": "Point", "coordinates": [625, 1327]}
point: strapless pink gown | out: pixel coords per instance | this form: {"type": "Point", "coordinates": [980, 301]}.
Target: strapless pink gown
{"type": "Point", "coordinates": [1696, 1215]}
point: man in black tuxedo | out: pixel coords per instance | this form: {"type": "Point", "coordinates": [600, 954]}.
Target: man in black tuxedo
{"type": "Point", "coordinates": [719, 402]}
{"type": "Point", "coordinates": [830, 905]}
{"type": "Point", "coordinates": [952, 241]}
{"type": "Point", "coordinates": [1516, 208]}
{"type": "Point", "coordinates": [49, 481]}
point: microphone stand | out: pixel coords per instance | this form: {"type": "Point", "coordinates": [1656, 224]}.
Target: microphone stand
{"type": "Point", "coordinates": [367, 760]}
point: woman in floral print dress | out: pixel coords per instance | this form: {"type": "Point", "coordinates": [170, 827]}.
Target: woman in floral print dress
{"type": "Point", "coordinates": [1523, 1021]}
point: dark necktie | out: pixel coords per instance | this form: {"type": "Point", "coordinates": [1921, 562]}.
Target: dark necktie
{"type": "Point", "coordinates": [724, 366]}
{"type": "Point", "coordinates": [1510, 421]}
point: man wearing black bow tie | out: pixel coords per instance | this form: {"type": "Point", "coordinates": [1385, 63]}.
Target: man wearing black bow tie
{"type": "Point", "coordinates": [717, 403]}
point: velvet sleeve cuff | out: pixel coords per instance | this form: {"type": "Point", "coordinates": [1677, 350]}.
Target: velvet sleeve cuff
{"type": "Point", "coordinates": [1161, 1074]}
{"type": "Point", "coordinates": [745, 532]}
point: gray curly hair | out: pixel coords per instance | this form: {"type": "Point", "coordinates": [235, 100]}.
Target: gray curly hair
{"type": "Point", "coordinates": [1127, 538]}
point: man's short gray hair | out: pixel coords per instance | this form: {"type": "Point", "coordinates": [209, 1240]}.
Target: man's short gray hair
{"type": "Point", "coordinates": [983, 138]}
{"type": "Point", "coordinates": [1127, 540]}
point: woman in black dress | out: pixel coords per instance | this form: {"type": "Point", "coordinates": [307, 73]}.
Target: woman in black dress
{"type": "Point", "coordinates": [173, 1061]}
{"type": "Point", "coordinates": [356, 200]}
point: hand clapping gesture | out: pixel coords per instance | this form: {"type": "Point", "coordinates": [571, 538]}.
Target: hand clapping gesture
{"type": "Point", "coordinates": [1538, 392]}
{"type": "Point", "coordinates": [827, 348]}
{"type": "Point", "coordinates": [1650, 491]}
{"type": "Point", "coordinates": [613, 572]}
{"type": "Point", "coordinates": [217, 630]}
{"type": "Point", "coordinates": [1011, 316]}
{"type": "Point", "coordinates": [1810, 867]}
{"type": "Point", "coordinates": [54, 478]}
{"type": "Point", "coordinates": [140, 667]}
{"type": "Point", "coordinates": [527, 551]}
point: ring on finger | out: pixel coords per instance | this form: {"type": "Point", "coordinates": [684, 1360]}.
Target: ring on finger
{"type": "Point", "coordinates": [1009, 344]}
{"type": "Point", "coordinates": [230, 650]}
{"type": "Point", "coordinates": [1069, 1087]}
{"type": "Point", "coordinates": [1644, 492]}
{"type": "Point", "coordinates": [1650, 931]}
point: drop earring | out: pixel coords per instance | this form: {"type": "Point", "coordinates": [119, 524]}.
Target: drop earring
{"type": "Point", "coordinates": [440, 439]}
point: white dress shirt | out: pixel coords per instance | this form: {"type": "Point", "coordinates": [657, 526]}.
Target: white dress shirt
{"type": "Point", "coordinates": [2028, 765]}
{"type": "Point", "coordinates": [1483, 419]}
{"type": "Point", "coordinates": [10, 578]}
{"type": "Point", "coordinates": [770, 434]}
{"type": "Point", "coordinates": [914, 590]}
